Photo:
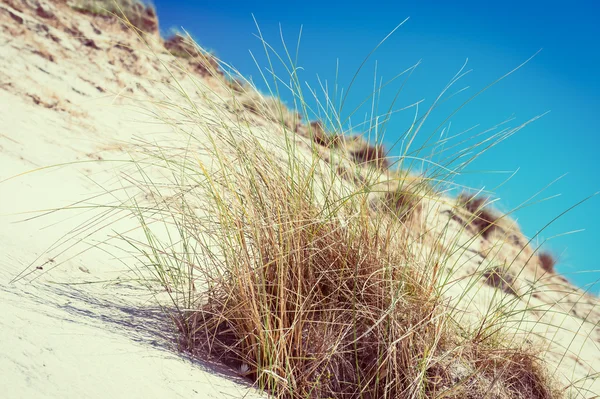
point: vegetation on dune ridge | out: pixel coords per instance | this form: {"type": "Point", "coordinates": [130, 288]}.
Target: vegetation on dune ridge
{"type": "Point", "coordinates": [138, 13]}
{"type": "Point", "coordinates": [303, 262]}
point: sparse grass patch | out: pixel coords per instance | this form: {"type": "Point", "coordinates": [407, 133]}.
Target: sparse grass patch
{"type": "Point", "coordinates": [484, 220]}
{"type": "Point", "coordinates": [500, 278]}
{"type": "Point", "coordinates": [319, 135]}
{"type": "Point", "coordinates": [267, 108]}
{"type": "Point", "coordinates": [140, 14]}
{"type": "Point", "coordinates": [365, 153]}
{"type": "Point", "coordinates": [547, 262]}
{"type": "Point", "coordinates": [202, 61]}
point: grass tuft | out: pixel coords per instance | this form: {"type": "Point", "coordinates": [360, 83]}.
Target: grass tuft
{"type": "Point", "coordinates": [307, 289]}
{"type": "Point", "coordinates": [140, 15]}
{"type": "Point", "coordinates": [484, 220]}
{"type": "Point", "coordinates": [316, 307]}
{"type": "Point", "coordinates": [547, 262]}
{"type": "Point", "coordinates": [202, 62]}
{"type": "Point", "coordinates": [370, 154]}
{"type": "Point", "coordinates": [500, 278]}
{"type": "Point", "coordinates": [319, 135]}
{"type": "Point", "coordinates": [281, 267]}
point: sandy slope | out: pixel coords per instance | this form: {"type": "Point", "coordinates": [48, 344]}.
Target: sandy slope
{"type": "Point", "coordinates": [68, 93]}
{"type": "Point", "coordinates": [84, 341]}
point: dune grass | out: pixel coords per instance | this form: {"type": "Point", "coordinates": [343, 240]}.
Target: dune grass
{"type": "Point", "coordinates": [139, 14]}
{"type": "Point", "coordinates": [310, 295]}
{"type": "Point", "coordinates": [310, 284]}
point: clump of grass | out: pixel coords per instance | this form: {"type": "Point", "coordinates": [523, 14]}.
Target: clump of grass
{"type": "Point", "coordinates": [370, 154]}
{"type": "Point", "coordinates": [547, 262]}
{"type": "Point", "coordinates": [316, 297]}
{"type": "Point", "coordinates": [139, 14]}
{"type": "Point", "coordinates": [202, 62]}
{"type": "Point", "coordinates": [306, 289]}
{"type": "Point", "coordinates": [484, 220]}
{"type": "Point", "coordinates": [315, 307]}
{"type": "Point", "coordinates": [319, 135]}
{"type": "Point", "coordinates": [500, 278]}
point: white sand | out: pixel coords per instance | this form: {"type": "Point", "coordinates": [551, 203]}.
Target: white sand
{"type": "Point", "coordinates": [74, 341]}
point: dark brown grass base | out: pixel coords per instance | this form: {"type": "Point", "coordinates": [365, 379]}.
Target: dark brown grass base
{"type": "Point", "coordinates": [371, 155]}
{"type": "Point", "coordinates": [484, 221]}
{"type": "Point", "coordinates": [496, 374]}
{"type": "Point", "coordinates": [319, 322]}
{"type": "Point", "coordinates": [201, 62]}
{"type": "Point", "coordinates": [139, 14]}
{"type": "Point", "coordinates": [547, 262]}
{"type": "Point", "coordinates": [321, 137]}
{"type": "Point", "coordinates": [316, 309]}
{"type": "Point", "coordinates": [501, 279]}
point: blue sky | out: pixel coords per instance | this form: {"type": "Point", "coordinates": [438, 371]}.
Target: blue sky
{"type": "Point", "coordinates": [562, 79]}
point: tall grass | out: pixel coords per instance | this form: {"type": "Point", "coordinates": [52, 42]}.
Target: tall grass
{"type": "Point", "coordinates": [309, 283]}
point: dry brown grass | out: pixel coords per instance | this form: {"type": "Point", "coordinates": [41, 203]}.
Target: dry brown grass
{"type": "Point", "coordinates": [201, 62]}
{"type": "Point", "coordinates": [315, 314]}
{"type": "Point", "coordinates": [317, 133]}
{"type": "Point", "coordinates": [312, 307]}
{"type": "Point", "coordinates": [312, 297]}
{"type": "Point", "coordinates": [484, 220]}
{"type": "Point", "coordinates": [547, 262]}
{"type": "Point", "coordinates": [137, 13]}
{"type": "Point", "coordinates": [370, 154]}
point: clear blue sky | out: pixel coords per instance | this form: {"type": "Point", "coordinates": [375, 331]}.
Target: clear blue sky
{"type": "Point", "coordinates": [563, 79]}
